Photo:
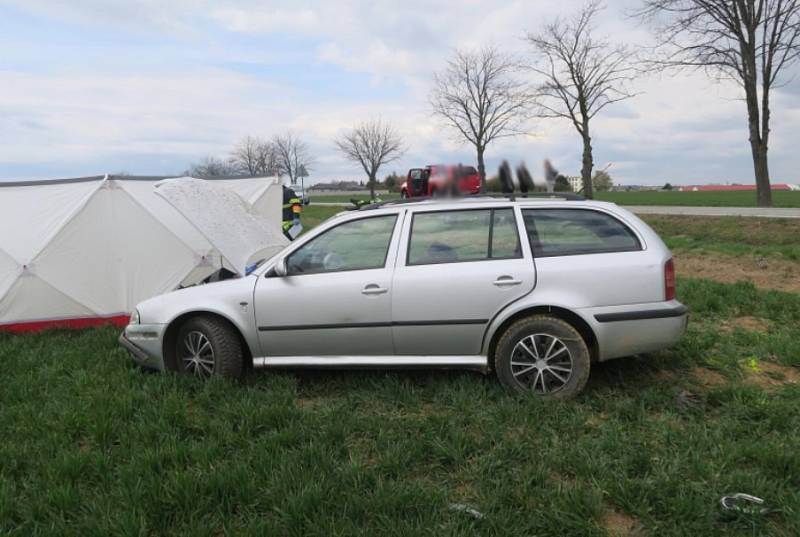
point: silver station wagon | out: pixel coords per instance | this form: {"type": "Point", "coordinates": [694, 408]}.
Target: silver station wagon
{"type": "Point", "coordinates": [533, 290]}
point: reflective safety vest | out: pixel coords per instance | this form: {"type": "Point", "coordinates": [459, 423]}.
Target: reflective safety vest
{"type": "Point", "coordinates": [292, 206]}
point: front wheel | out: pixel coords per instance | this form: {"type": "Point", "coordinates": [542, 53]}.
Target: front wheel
{"type": "Point", "coordinates": [208, 346]}
{"type": "Point", "coordinates": [543, 355]}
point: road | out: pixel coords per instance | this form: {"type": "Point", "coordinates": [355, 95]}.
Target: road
{"type": "Point", "coordinates": [762, 212]}
{"type": "Point", "coordinates": [656, 209]}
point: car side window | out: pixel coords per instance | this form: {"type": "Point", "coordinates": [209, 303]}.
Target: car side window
{"type": "Point", "coordinates": [555, 232]}
{"type": "Point", "coordinates": [355, 245]}
{"type": "Point", "coordinates": [466, 235]}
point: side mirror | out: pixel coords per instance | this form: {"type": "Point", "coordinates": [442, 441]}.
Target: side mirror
{"type": "Point", "coordinates": [280, 268]}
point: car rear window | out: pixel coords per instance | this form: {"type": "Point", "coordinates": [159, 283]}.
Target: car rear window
{"type": "Point", "coordinates": [555, 232]}
{"type": "Point", "coordinates": [468, 170]}
{"type": "Point", "coordinates": [468, 235]}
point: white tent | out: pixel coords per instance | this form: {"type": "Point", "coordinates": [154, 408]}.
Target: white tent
{"type": "Point", "coordinates": [78, 252]}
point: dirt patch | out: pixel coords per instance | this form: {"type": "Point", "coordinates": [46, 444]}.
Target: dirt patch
{"type": "Point", "coordinates": [708, 377]}
{"type": "Point", "coordinates": [465, 491]}
{"type": "Point", "coordinates": [596, 420]}
{"type": "Point", "coordinates": [769, 375]}
{"type": "Point", "coordinates": [665, 375]}
{"type": "Point", "coordinates": [620, 524]}
{"type": "Point", "coordinates": [308, 403]}
{"type": "Point", "coordinates": [763, 273]}
{"type": "Point", "coordinates": [750, 324]}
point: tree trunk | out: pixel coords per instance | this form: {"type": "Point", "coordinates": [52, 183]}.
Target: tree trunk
{"type": "Point", "coordinates": [758, 147]}
{"type": "Point", "coordinates": [588, 163]}
{"type": "Point", "coordinates": [761, 167]}
{"type": "Point", "coordinates": [481, 169]}
{"type": "Point", "coordinates": [759, 132]}
{"type": "Point", "coordinates": [372, 186]}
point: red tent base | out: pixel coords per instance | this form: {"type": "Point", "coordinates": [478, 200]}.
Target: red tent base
{"type": "Point", "coordinates": [77, 323]}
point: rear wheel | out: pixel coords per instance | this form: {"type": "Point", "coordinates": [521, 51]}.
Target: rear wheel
{"type": "Point", "coordinates": [208, 346]}
{"type": "Point", "coordinates": [543, 355]}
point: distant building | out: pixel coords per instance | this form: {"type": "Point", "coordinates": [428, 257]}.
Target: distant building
{"type": "Point", "coordinates": [575, 183]}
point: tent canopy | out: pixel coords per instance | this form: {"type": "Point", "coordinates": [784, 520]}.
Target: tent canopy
{"type": "Point", "coordinates": [224, 219]}
{"type": "Point", "coordinates": [81, 251]}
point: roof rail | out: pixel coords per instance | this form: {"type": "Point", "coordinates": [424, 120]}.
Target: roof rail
{"type": "Point", "coordinates": [401, 201]}
{"type": "Point", "coordinates": [568, 196]}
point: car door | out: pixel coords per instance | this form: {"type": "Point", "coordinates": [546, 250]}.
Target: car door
{"type": "Point", "coordinates": [415, 183]}
{"type": "Point", "coordinates": [455, 271]}
{"type": "Point", "coordinates": [593, 257]}
{"type": "Point", "coordinates": [335, 299]}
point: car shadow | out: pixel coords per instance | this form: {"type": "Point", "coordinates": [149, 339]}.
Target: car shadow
{"type": "Point", "coordinates": [634, 373]}
{"type": "Point", "coordinates": [630, 374]}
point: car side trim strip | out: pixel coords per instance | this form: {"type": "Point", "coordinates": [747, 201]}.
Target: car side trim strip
{"type": "Point", "coordinates": [466, 362]}
{"type": "Point", "coordinates": [436, 323]}
{"type": "Point", "coordinates": [371, 325]}
{"type": "Point", "coordinates": [638, 315]}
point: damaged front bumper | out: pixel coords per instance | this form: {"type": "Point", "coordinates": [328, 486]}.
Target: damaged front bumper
{"type": "Point", "coordinates": [145, 344]}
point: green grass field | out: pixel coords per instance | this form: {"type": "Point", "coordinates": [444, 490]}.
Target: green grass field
{"type": "Point", "coordinates": [90, 445]}
{"type": "Point", "coordinates": [345, 198]}
{"type": "Point", "coordinates": [698, 199]}
{"type": "Point", "coordinates": [767, 237]}
{"type": "Point", "coordinates": [672, 198]}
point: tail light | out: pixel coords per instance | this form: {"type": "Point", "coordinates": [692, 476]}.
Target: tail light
{"type": "Point", "coordinates": [669, 280]}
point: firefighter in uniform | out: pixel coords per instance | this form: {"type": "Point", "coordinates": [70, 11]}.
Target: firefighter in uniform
{"type": "Point", "coordinates": [292, 206]}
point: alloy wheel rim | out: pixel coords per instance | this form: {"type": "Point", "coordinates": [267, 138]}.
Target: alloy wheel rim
{"type": "Point", "coordinates": [541, 363]}
{"type": "Point", "coordinates": [197, 356]}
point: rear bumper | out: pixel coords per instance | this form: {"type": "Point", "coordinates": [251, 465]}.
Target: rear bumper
{"type": "Point", "coordinates": [145, 344]}
{"type": "Point", "coordinates": [639, 328]}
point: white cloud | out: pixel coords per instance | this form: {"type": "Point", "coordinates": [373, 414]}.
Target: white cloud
{"type": "Point", "coordinates": [375, 58]}
{"type": "Point", "coordinates": [680, 124]}
{"type": "Point", "coordinates": [267, 20]}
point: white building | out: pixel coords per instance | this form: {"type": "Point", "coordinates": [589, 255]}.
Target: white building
{"type": "Point", "coordinates": [575, 183]}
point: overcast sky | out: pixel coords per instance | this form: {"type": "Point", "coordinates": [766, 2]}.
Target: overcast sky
{"type": "Point", "coordinates": [148, 86]}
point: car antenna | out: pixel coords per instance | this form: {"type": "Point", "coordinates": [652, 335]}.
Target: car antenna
{"type": "Point", "coordinates": [525, 180]}
{"type": "Point", "coordinates": [506, 182]}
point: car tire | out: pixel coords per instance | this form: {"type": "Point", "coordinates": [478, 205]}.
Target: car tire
{"type": "Point", "coordinates": [208, 346]}
{"type": "Point", "coordinates": [543, 355]}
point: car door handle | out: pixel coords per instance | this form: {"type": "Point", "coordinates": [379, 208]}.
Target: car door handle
{"type": "Point", "coordinates": [373, 289]}
{"type": "Point", "coordinates": [502, 281]}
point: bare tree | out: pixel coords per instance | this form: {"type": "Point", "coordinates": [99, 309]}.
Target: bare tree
{"type": "Point", "coordinates": [245, 155]}
{"type": "Point", "coordinates": [254, 156]}
{"type": "Point", "coordinates": [292, 154]}
{"type": "Point", "coordinates": [211, 167]}
{"type": "Point", "coordinates": [371, 144]}
{"type": "Point", "coordinates": [749, 41]}
{"type": "Point", "coordinates": [479, 96]}
{"type": "Point", "coordinates": [268, 159]}
{"type": "Point", "coordinates": [580, 76]}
